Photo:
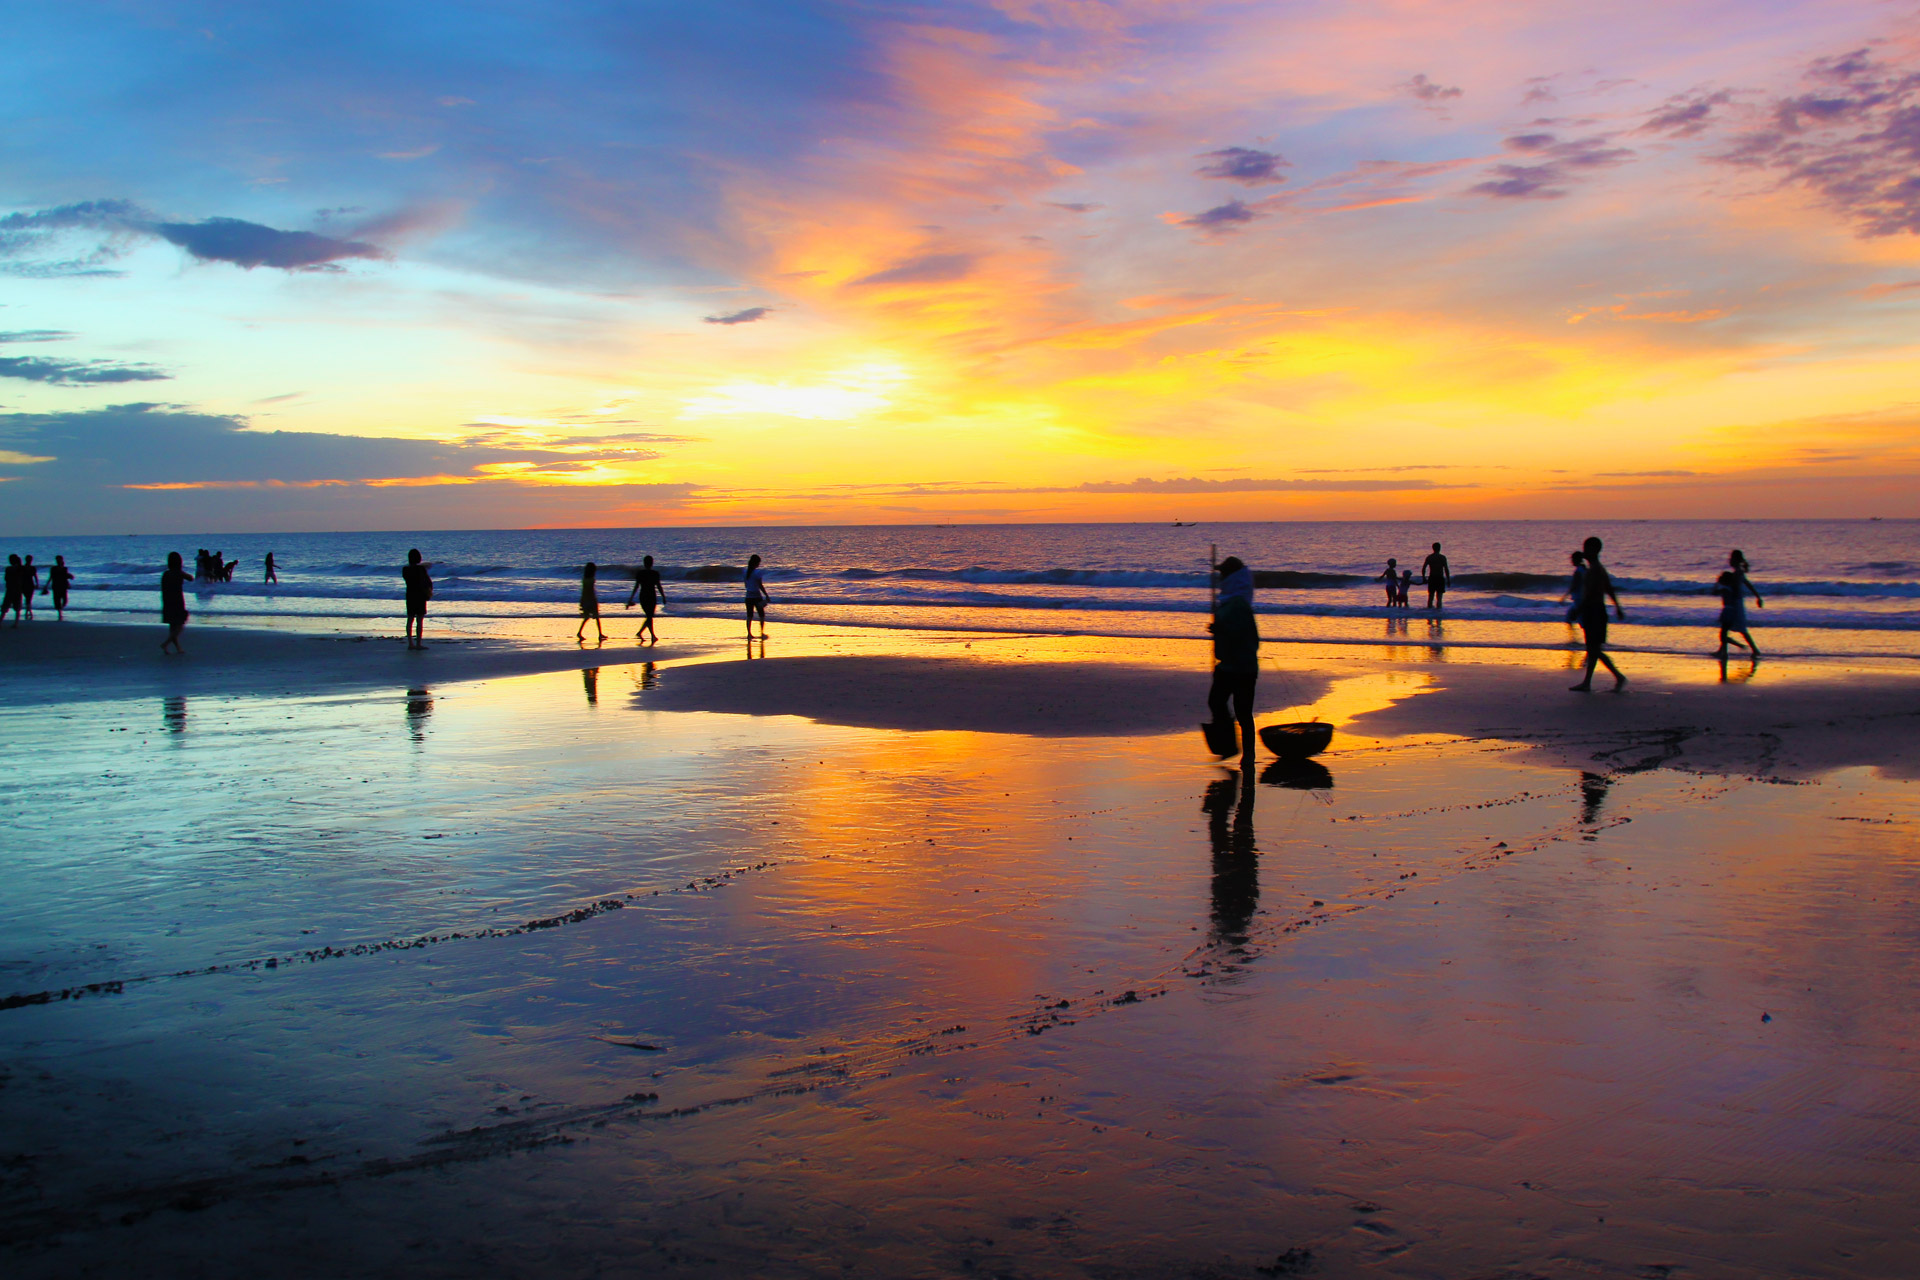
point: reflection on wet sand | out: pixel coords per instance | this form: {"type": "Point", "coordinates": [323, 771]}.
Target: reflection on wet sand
{"type": "Point", "coordinates": [590, 681]}
{"type": "Point", "coordinates": [1593, 795]}
{"type": "Point", "coordinates": [419, 707]}
{"type": "Point", "coordinates": [173, 714]}
{"type": "Point", "coordinates": [1297, 775]}
{"type": "Point", "coordinates": [1228, 804]}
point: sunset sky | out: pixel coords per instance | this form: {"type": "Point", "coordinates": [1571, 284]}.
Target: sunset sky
{"type": "Point", "coordinates": [368, 266]}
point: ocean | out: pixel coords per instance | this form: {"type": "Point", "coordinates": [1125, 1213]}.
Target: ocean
{"type": "Point", "coordinates": [1833, 587]}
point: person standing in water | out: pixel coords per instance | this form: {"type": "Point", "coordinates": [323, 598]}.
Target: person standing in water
{"type": "Point", "coordinates": [419, 583]}
{"type": "Point", "coordinates": [590, 603]}
{"type": "Point", "coordinates": [756, 598]}
{"type": "Point", "coordinates": [1439, 577]}
{"type": "Point", "coordinates": [1236, 652]}
{"type": "Point", "coordinates": [646, 586]}
{"type": "Point", "coordinates": [59, 580]}
{"type": "Point", "coordinates": [173, 601]}
{"type": "Point", "coordinates": [1594, 594]}
{"type": "Point", "coordinates": [271, 576]}
{"type": "Point", "coordinates": [11, 602]}
{"type": "Point", "coordinates": [1392, 578]}
{"type": "Point", "coordinates": [29, 585]}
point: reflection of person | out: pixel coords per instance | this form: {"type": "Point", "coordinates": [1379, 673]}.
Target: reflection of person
{"type": "Point", "coordinates": [418, 578]}
{"type": "Point", "coordinates": [1732, 587]}
{"type": "Point", "coordinates": [757, 598]}
{"type": "Point", "coordinates": [590, 678]}
{"type": "Point", "coordinates": [1236, 862]}
{"type": "Point", "coordinates": [173, 601]}
{"type": "Point", "coordinates": [59, 582]}
{"type": "Point", "coordinates": [1439, 577]}
{"type": "Point", "coordinates": [1236, 651]}
{"type": "Point", "coordinates": [647, 586]}
{"type": "Point", "coordinates": [1594, 594]}
{"type": "Point", "coordinates": [590, 603]}
{"type": "Point", "coordinates": [271, 576]}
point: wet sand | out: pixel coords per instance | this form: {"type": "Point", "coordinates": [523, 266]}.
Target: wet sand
{"type": "Point", "coordinates": [721, 967]}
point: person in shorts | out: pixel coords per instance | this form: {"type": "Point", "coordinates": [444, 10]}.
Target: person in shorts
{"type": "Point", "coordinates": [1595, 591]}
{"type": "Point", "coordinates": [757, 599]}
{"type": "Point", "coordinates": [651, 594]}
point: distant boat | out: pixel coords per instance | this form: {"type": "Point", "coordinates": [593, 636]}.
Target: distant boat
{"type": "Point", "coordinates": [1189, 524]}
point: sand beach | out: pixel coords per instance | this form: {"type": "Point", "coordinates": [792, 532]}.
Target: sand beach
{"type": "Point", "coordinates": [932, 953]}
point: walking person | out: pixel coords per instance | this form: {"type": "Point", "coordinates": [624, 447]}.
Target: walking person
{"type": "Point", "coordinates": [271, 577]}
{"type": "Point", "coordinates": [757, 598]}
{"type": "Point", "coordinates": [1575, 587]}
{"type": "Point", "coordinates": [29, 585]}
{"type": "Point", "coordinates": [1439, 577]}
{"type": "Point", "coordinates": [647, 586]}
{"type": "Point", "coordinates": [1594, 594]}
{"type": "Point", "coordinates": [590, 603]}
{"type": "Point", "coordinates": [11, 601]}
{"type": "Point", "coordinates": [1733, 587]}
{"type": "Point", "coordinates": [1236, 659]}
{"type": "Point", "coordinates": [59, 581]}
{"type": "Point", "coordinates": [173, 601]}
{"type": "Point", "coordinates": [418, 578]}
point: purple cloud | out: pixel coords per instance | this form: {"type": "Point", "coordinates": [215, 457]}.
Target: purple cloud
{"type": "Point", "coordinates": [1225, 217]}
{"type": "Point", "coordinates": [747, 316]}
{"type": "Point", "coordinates": [931, 268]}
{"type": "Point", "coordinates": [1248, 166]}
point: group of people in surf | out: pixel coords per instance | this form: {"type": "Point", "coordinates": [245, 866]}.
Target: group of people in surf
{"type": "Point", "coordinates": [1435, 574]}
{"type": "Point", "coordinates": [650, 593]}
{"type": "Point", "coordinates": [23, 584]}
{"type": "Point", "coordinates": [416, 577]}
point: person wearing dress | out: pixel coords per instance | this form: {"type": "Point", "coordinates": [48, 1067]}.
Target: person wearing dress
{"type": "Point", "coordinates": [590, 603]}
{"type": "Point", "coordinates": [1732, 587]}
{"type": "Point", "coordinates": [173, 601]}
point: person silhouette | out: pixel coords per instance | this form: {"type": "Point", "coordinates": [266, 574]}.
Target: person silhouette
{"type": "Point", "coordinates": [647, 586]}
{"type": "Point", "coordinates": [756, 596]}
{"type": "Point", "coordinates": [1594, 594]}
{"type": "Point", "coordinates": [1439, 577]}
{"type": "Point", "coordinates": [590, 603]}
{"type": "Point", "coordinates": [1392, 578]}
{"type": "Point", "coordinates": [1236, 653]}
{"type": "Point", "coordinates": [1576, 586]}
{"type": "Point", "coordinates": [29, 585]}
{"type": "Point", "coordinates": [271, 575]}
{"type": "Point", "coordinates": [11, 602]}
{"type": "Point", "coordinates": [418, 579]}
{"type": "Point", "coordinates": [1733, 587]}
{"type": "Point", "coordinates": [173, 601]}
{"type": "Point", "coordinates": [59, 582]}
